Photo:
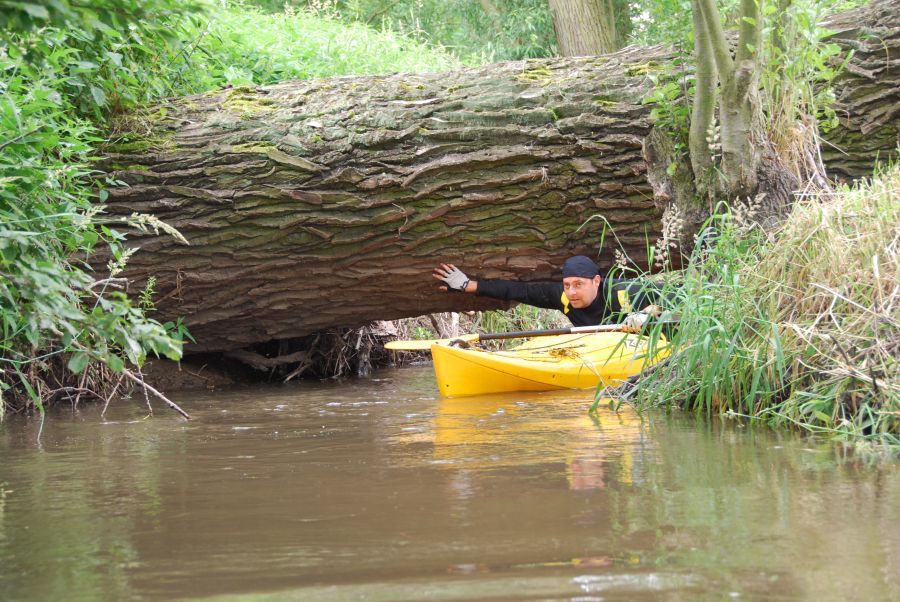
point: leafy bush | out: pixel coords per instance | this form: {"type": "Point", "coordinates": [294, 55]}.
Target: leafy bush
{"type": "Point", "coordinates": [63, 69]}
{"type": "Point", "coordinates": [476, 32]}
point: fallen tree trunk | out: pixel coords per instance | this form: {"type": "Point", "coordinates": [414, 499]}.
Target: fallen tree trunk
{"type": "Point", "coordinates": [867, 92]}
{"type": "Point", "coordinates": [324, 203]}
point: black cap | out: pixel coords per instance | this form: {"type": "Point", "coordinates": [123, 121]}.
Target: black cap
{"type": "Point", "coordinates": [580, 266]}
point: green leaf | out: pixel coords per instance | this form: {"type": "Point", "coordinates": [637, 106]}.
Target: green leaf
{"type": "Point", "coordinates": [79, 361]}
{"type": "Point", "coordinates": [35, 10]}
{"type": "Point", "coordinates": [749, 20]}
{"type": "Point", "coordinates": [115, 363]}
{"type": "Point", "coordinates": [831, 50]}
{"type": "Point", "coordinates": [31, 393]}
{"type": "Point", "coordinates": [99, 96]}
{"type": "Point", "coordinates": [822, 416]}
{"type": "Point", "coordinates": [115, 57]}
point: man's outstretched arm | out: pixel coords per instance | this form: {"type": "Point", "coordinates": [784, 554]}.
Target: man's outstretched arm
{"type": "Point", "coordinates": [539, 294]}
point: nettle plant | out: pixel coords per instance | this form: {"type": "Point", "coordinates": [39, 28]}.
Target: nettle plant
{"type": "Point", "coordinates": [65, 326]}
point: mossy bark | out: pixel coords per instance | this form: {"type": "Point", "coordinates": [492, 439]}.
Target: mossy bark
{"type": "Point", "coordinates": [867, 91]}
{"type": "Point", "coordinates": [324, 203]}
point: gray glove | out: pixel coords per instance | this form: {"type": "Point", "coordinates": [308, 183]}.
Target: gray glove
{"type": "Point", "coordinates": [456, 280]}
{"type": "Point", "coordinates": [635, 320]}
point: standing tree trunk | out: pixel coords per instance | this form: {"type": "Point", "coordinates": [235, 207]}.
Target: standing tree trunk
{"type": "Point", "coordinates": [703, 111]}
{"type": "Point", "coordinates": [325, 203]}
{"type": "Point", "coordinates": [585, 27]}
{"type": "Point", "coordinates": [738, 77]}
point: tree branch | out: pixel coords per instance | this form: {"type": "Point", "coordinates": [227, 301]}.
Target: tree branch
{"type": "Point", "coordinates": [747, 55]}
{"type": "Point", "coordinates": [751, 24]}
{"type": "Point", "coordinates": [147, 387]}
{"type": "Point", "coordinates": [704, 102]}
{"type": "Point", "coordinates": [20, 137]}
{"type": "Point", "coordinates": [716, 35]}
{"type": "Point", "coordinates": [260, 362]}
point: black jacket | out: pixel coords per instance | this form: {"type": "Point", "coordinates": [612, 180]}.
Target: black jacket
{"type": "Point", "coordinates": [615, 299]}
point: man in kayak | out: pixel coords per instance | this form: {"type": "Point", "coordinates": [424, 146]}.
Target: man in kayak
{"type": "Point", "coordinates": [583, 296]}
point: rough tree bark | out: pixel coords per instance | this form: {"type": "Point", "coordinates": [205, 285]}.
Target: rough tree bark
{"type": "Point", "coordinates": [316, 204]}
{"type": "Point", "coordinates": [585, 27]}
{"type": "Point", "coordinates": [867, 91]}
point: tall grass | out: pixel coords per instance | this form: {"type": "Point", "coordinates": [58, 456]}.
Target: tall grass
{"type": "Point", "coordinates": [476, 32]}
{"type": "Point", "coordinates": [244, 45]}
{"type": "Point", "coordinates": [800, 326]}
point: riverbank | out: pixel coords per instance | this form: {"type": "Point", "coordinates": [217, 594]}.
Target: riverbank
{"type": "Point", "coordinates": [799, 326]}
{"type": "Point", "coordinates": [795, 327]}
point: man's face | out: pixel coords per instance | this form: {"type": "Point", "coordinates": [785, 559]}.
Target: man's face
{"type": "Point", "coordinates": [581, 292]}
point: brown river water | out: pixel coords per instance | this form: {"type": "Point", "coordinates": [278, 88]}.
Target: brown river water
{"type": "Point", "coordinates": [377, 489]}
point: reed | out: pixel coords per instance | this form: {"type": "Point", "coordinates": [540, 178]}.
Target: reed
{"type": "Point", "coordinates": [797, 326]}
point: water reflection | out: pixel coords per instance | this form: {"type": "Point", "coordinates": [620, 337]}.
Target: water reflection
{"type": "Point", "coordinates": [375, 489]}
{"type": "Point", "coordinates": [487, 432]}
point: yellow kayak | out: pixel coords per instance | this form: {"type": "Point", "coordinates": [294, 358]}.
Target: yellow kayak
{"type": "Point", "coordinates": [568, 361]}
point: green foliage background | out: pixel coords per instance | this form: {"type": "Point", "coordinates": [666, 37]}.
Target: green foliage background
{"type": "Point", "coordinates": [516, 29]}
{"type": "Point", "coordinates": [63, 70]}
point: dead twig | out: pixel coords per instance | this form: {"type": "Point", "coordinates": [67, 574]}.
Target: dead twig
{"type": "Point", "coordinates": [169, 402]}
{"type": "Point", "coordinates": [119, 283]}
{"type": "Point", "coordinates": [80, 389]}
{"type": "Point", "coordinates": [111, 395]}
{"type": "Point", "coordinates": [69, 392]}
{"type": "Point", "coordinates": [146, 396]}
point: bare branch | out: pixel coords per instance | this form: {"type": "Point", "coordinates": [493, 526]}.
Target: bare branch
{"type": "Point", "coordinates": [119, 283]}
{"type": "Point", "coordinates": [147, 387]}
{"type": "Point", "coordinates": [260, 362]}
{"type": "Point", "coordinates": [111, 395]}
